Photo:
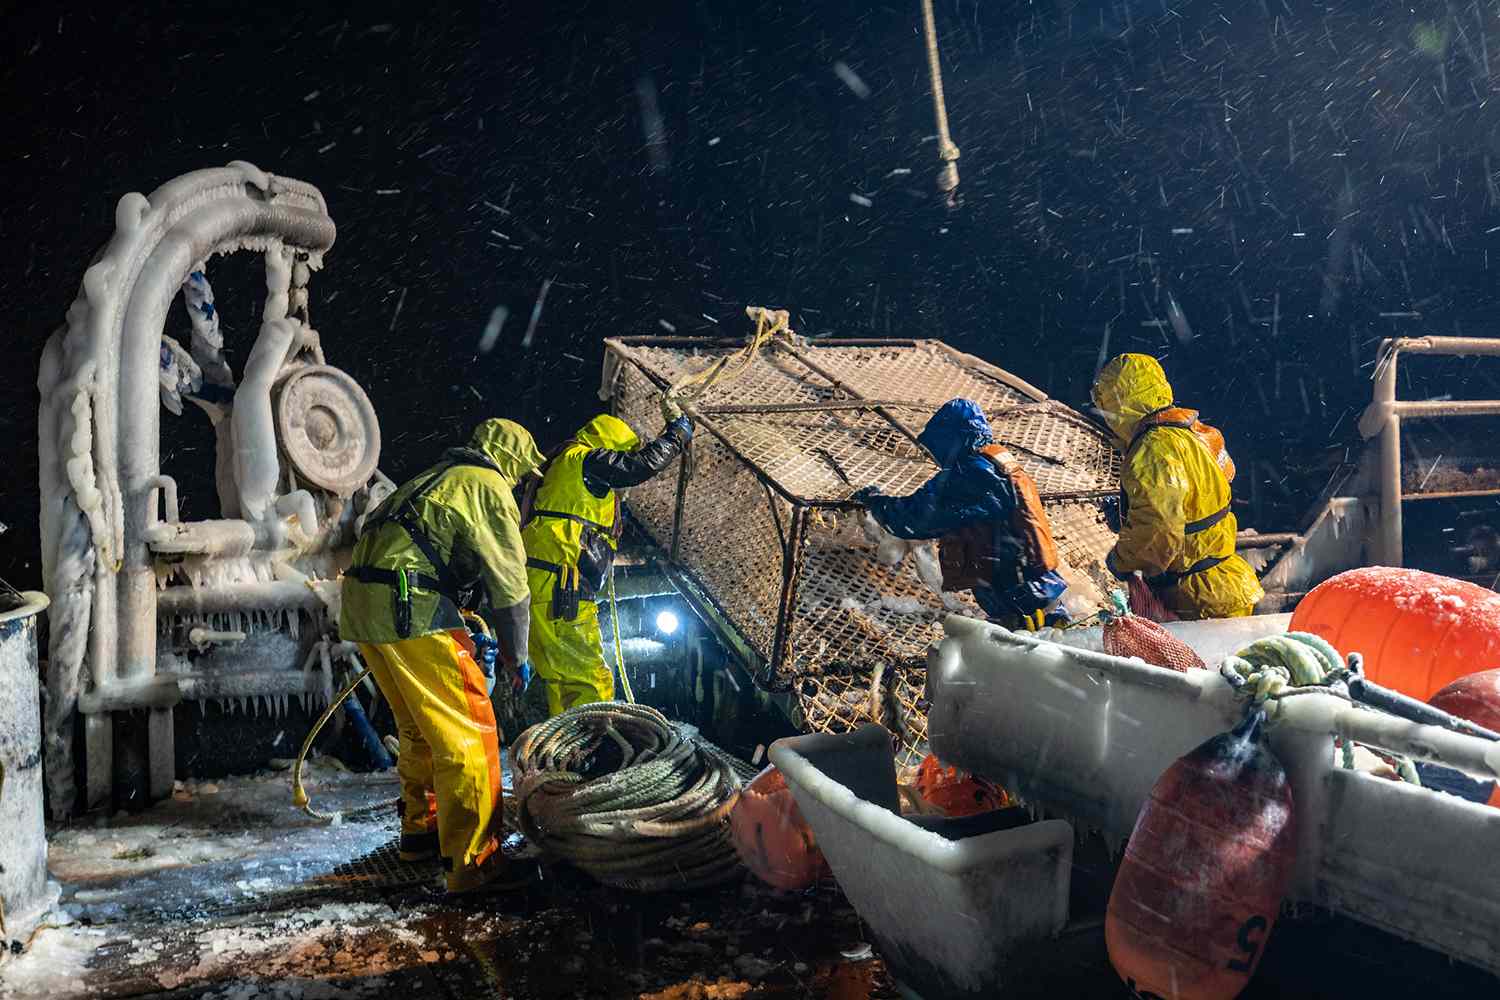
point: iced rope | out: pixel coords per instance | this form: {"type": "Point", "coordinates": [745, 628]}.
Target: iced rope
{"type": "Point", "coordinates": [653, 820]}
{"type": "Point", "coordinates": [1282, 666]}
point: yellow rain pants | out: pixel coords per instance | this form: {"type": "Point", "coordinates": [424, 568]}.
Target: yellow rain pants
{"type": "Point", "coordinates": [449, 744]}
{"type": "Point", "coordinates": [568, 657]}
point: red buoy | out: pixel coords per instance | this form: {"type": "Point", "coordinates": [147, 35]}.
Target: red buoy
{"type": "Point", "coordinates": [772, 838]}
{"type": "Point", "coordinates": [1474, 698]}
{"type": "Point", "coordinates": [1417, 631]}
{"type": "Point", "coordinates": [1204, 872]}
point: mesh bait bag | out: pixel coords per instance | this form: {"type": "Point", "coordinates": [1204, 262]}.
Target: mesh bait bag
{"type": "Point", "coordinates": [1126, 634]}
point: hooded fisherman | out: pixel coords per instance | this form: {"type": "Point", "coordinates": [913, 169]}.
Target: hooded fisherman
{"type": "Point", "coordinates": [1176, 526]}
{"type": "Point", "coordinates": [572, 531]}
{"type": "Point", "coordinates": [995, 537]}
{"type": "Point", "coordinates": [448, 539]}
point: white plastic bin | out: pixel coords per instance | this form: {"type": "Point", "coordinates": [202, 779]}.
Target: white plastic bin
{"type": "Point", "coordinates": [951, 903]}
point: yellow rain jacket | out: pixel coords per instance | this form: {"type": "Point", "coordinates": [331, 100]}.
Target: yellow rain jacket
{"type": "Point", "coordinates": [465, 508]}
{"type": "Point", "coordinates": [568, 656]}
{"type": "Point", "coordinates": [1175, 526]}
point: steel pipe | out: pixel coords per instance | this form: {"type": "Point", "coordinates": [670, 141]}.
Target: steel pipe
{"type": "Point", "coordinates": [275, 595]}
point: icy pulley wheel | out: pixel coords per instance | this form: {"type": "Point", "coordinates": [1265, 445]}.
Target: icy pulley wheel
{"type": "Point", "coordinates": [328, 429]}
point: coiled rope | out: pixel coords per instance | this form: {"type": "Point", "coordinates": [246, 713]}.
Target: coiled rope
{"type": "Point", "coordinates": [618, 791]}
{"type": "Point", "coordinates": [1281, 666]}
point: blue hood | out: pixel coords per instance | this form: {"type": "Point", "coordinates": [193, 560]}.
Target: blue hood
{"type": "Point", "coordinates": [956, 429]}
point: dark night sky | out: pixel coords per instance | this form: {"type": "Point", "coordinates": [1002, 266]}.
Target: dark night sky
{"type": "Point", "coordinates": [1268, 177]}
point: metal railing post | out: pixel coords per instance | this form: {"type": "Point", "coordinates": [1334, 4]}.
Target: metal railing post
{"type": "Point", "coordinates": [1391, 544]}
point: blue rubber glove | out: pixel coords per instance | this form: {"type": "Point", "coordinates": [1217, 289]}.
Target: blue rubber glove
{"type": "Point", "coordinates": [685, 426]}
{"type": "Point", "coordinates": [487, 653]}
{"type": "Point", "coordinates": [521, 680]}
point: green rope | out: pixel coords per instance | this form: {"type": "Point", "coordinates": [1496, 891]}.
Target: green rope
{"type": "Point", "coordinates": [1278, 666]}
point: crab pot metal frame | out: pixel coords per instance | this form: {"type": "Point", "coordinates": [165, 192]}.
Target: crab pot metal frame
{"type": "Point", "coordinates": [758, 523]}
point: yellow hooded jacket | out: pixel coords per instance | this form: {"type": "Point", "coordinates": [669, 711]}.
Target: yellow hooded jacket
{"type": "Point", "coordinates": [469, 514]}
{"type": "Point", "coordinates": [559, 540]}
{"type": "Point", "coordinates": [1170, 481]}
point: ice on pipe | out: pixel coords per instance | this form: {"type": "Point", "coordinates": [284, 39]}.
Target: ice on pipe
{"type": "Point", "coordinates": [92, 430]}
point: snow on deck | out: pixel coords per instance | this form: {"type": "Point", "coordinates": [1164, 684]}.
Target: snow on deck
{"type": "Point", "coordinates": [226, 891]}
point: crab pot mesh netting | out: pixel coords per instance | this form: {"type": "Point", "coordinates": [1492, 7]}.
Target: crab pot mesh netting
{"type": "Point", "coordinates": [751, 516]}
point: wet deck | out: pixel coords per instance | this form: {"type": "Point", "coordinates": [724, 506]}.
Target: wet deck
{"type": "Point", "coordinates": [228, 892]}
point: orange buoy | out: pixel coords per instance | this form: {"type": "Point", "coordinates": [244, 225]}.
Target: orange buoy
{"type": "Point", "coordinates": [772, 838]}
{"type": "Point", "coordinates": [957, 793]}
{"type": "Point", "coordinates": [1204, 872]}
{"type": "Point", "coordinates": [1417, 631]}
{"type": "Point", "coordinates": [1474, 698]}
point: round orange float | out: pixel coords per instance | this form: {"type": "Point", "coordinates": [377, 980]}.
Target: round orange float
{"type": "Point", "coordinates": [1417, 631]}
{"type": "Point", "coordinates": [772, 838]}
{"type": "Point", "coordinates": [1204, 871]}
{"type": "Point", "coordinates": [1474, 698]}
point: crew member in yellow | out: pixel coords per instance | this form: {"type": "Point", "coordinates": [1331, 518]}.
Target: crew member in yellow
{"type": "Point", "coordinates": [1176, 527]}
{"type": "Point", "coordinates": [571, 534]}
{"type": "Point", "coordinates": [448, 539]}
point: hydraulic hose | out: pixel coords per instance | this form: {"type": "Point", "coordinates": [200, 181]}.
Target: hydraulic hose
{"type": "Point", "coordinates": [299, 794]}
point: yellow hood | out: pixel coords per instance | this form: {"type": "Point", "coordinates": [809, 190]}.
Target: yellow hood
{"type": "Point", "coordinates": [509, 446]}
{"type": "Point", "coordinates": [610, 433]}
{"type": "Point", "coordinates": [1129, 388]}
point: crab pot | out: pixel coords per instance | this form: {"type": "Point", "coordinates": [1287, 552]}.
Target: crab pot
{"type": "Point", "coordinates": [758, 526]}
{"type": "Point", "coordinates": [24, 894]}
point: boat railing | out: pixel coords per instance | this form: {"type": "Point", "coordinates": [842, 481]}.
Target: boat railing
{"type": "Point", "coordinates": [1383, 419]}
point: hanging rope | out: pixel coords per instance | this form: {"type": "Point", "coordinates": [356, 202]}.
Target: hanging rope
{"type": "Point", "coordinates": [769, 324]}
{"type": "Point", "coordinates": [947, 181]}
{"type": "Point", "coordinates": [614, 621]}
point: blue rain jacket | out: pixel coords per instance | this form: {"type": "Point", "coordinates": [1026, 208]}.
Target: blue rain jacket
{"type": "Point", "coordinates": [969, 488]}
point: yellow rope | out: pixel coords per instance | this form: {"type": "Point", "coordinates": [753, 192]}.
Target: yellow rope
{"type": "Point", "coordinates": [769, 323]}
{"type": "Point", "coordinates": [614, 620]}
{"type": "Point", "coordinates": [947, 151]}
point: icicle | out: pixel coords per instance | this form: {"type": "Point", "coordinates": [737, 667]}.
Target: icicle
{"type": "Point", "coordinates": [202, 708]}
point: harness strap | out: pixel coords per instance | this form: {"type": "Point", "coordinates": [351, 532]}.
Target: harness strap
{"type": "Point", "coordinates": [1149, 423]}
{"type": "Point", "coordinates": [393, 578]}
{"type": "Point", "coordinates": [602, 528]}
{"type": "Point", "coordinates": [1172, 579]}
{"type": "Point", "coordinates": [405, 517]}
{"type": "Point", "coordinates": [1204, 523]}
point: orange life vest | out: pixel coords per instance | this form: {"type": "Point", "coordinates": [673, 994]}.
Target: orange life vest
{"type": "Point", "coordinates": [968, 554]}
{"type": "Point", "coordinates": [1179, 416]}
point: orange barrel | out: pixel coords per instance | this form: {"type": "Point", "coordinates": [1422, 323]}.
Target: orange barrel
{"type": "Point", "coordinates": [1417, 631]}
{"type": "Point", "coordinates": [1204, 872]}
{"type": "Point", "coordinates": [957, 793]}
{"type": "Point", "coordinates": [772, 838]}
